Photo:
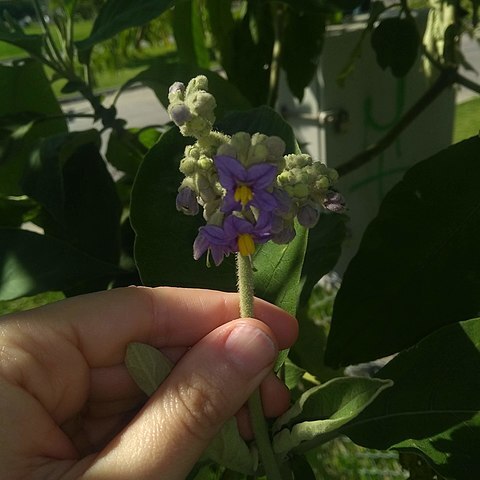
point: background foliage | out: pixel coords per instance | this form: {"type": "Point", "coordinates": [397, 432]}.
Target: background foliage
{"type": "Point", "coordinates": [411, 290]}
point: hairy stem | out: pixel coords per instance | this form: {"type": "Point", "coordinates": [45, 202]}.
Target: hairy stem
{"type": "Point", "coordinates": [260, 429]}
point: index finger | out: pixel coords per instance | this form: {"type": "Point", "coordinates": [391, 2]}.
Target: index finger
{"type": "Point", "coordinates": [102, 324]}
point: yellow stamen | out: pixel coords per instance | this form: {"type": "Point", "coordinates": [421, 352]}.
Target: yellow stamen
{"type": "Point", "coordinates": [246, 245]}
{"type": "Point", "coordinates": [243, 194]}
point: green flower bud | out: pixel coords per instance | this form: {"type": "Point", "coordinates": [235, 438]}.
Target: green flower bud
{"type": "Point", "coordinates": [188, 166]}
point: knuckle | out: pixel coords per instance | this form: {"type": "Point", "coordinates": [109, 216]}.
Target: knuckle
{"type": "Point", "coordinates": [201, 406]}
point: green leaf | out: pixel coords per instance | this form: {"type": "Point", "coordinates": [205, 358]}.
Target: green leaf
{"type": "Point", "coordinates": [118, 15]}
{"type": "Point", "coordinates": [301, 53]}
{"type": "Point", "coordinates": [189, 33]}
{"type": "Point", "coordinates": [323, 250]}
{"type": "Point", "coordinates": [251, 46]}
{"type": "Point", "coordinates": [434, 405]}
{"type": "Point", "coordinates": [277, 271]}
{"type": "Point", "coordinates": [16, 210]}
{"type": "Point", "coordinates": [32, 263]}
{"type": "Point", "coordinates": [29, 93]}
{"type": "Point", "coordinates": [161, 74]}
{"type": "Point", "coordinates": [319, 413]}
{"type": "Point", "coordinates": [293, 374]}
{"type": "Point", "coordinates": [27, 303]}
{"type": "Point", "coordinates": [219, 14]}
{"type": "Point", "coordinates": [418, 265]}
{"type": "Point", "coordinates": [230, 450]}
{"type": "Point", "coordinates": [147, 365]}
{"type": "Point", "coordinates": [396, 42]}
{"type": "Point", "coordinates": [70, 179]}
{"type": "Point", "coordinates": [124, 151]}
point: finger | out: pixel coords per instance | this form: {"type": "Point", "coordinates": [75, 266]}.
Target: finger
{"type": "Point", "coordinates": [275, 401]}
{"type": "Point", "coordinates": [206, 388]}
{"type": "Point", "coordinates": [102, 324]}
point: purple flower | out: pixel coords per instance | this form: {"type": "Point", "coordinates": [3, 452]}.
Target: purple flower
{"type": "Point", "coordinates": [246, 186]}
{"type": "Point", "coordinates": [235, 235]}
{"type": "Point", "coordinates": [215, 239]}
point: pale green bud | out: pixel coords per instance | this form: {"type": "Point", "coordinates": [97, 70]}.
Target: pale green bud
{"type": "Point", "coordinates": [188, 166]}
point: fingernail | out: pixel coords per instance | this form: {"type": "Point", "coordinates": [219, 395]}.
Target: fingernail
{"type": "Point", "coordinates": [250, 348]}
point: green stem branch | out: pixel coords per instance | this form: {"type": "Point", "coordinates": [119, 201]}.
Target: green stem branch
{"type": "Point", "coordinates": [260, 428]}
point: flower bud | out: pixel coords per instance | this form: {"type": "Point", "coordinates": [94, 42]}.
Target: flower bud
{"type": "Point", "coordinates": [334, 202]}
{"type": "Point", "coordinates": [187, 201]}
{"type": "Point", "coordinates": [176, 87]}
{"type": "Point", "coordinates": [179, 113]}
{"type": "Point", "coordinates": [308, 216]}
{"type": "Point", "coordinates": [284, 236]}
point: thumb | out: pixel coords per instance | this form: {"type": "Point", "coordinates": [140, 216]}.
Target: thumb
{"type": "Point", "coordinates": [206, 388]}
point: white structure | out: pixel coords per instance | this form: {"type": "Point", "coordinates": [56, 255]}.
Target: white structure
{"type": "Point", "coordinates": [334, 123]}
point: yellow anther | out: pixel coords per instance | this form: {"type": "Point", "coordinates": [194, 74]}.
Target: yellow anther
{"type": "Point", "coordinates": [243, 194]}
{"type": "Point", "coordinates": [246, 245]}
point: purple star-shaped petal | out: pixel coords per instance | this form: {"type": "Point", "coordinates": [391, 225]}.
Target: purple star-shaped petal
{"type": "Point", "coordinates": [258, 178]}
{"type": "Point", "coordinates": [217, 240]}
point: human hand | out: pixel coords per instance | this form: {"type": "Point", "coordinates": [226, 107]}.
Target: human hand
{"type": "Point", "coordinates": [69, 408]}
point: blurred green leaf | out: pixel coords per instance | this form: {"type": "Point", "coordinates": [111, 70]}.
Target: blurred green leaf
{"type": "Point", "coordinates": [29, 93]}
{"type": "Point", "coordinates": [189, 33]}
{"type": "Point", "coordinates": [418, 265]}
{"type": "Point", "coordinates": [27, 303]}
{"type": "Point", "coordinates": [118, 15]}
{"type": "Point", "coordinates": [32, 44]}
{"type": "Point", "coordinates": [396, 42]}
{"type": "Point", "coordinates": [318, 414]}
{"type": "Point", "coordinates": [434, 404]}
{"type": "Point", "coordinates": [301, 52]}
{"type": "Point", "coordinates": [148, 366]}
{"type": "Point", "coordinates": [16, 210]}
{"type": "Point", "coordinates": [31, 263]}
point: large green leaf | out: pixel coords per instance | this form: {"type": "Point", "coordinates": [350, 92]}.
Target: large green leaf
{"type": "Point", "coordinates": [70, 179]}
{"type": "Point", "coordinates": [162, 73]}
{"type": "Point", "coordinates": [434, 405]}
{"type": "Point", "coordinates": [31, 263]}
{"type": "Point", "coordinates": [118, 15]}
{"type": "Point", "coordinates": [319, 413]}
{"type": "Point", "coordinates": [29, 94]}
{"type": "Point", "coordinates": [418, 265]}
{"type": "Point", "coordinates": [396, 42]}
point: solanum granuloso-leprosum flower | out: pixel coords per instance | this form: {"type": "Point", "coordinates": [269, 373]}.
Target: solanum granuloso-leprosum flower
{"type": "Point", "coordinates": [249, 191]}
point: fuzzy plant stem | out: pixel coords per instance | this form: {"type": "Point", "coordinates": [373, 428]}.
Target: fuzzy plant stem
{"type": "Point", "coordinates": [245, 290]}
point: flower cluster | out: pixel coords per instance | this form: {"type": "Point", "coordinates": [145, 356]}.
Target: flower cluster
{"type": "Point", "coordinates": [249, 191]}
